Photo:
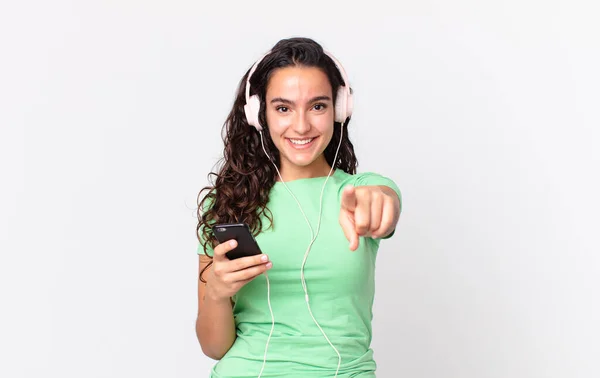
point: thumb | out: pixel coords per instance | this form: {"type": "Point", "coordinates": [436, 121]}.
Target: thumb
{"type": "Point", "coordinates": [349, 198]}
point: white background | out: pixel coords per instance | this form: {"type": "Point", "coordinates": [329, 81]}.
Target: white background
{"type": "Point", "coordinates": [484, 113]}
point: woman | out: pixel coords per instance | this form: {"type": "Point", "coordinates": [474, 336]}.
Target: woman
{"type": "Point", "coordinates": [304, 307]}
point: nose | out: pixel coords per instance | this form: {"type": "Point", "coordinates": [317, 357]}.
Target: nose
{"type": "Point", "coordinates": [302, 123]}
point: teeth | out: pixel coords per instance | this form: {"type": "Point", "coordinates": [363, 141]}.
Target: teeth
{"type": "Point", "coordinates": [301, 141]}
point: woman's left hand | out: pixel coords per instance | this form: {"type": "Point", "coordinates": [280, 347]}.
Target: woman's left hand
{"type": "Point", "coordinates": [368, 211]}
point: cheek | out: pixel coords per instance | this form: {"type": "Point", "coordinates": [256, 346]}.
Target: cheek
{"type": "Point", "coordinates": [274, 136]}
{"type": "Point", "coordinates": [326, 129]}
{"type": "Point", "coordinates": [323, 123]}
{"type": "Point", "coordinates": [276, 126]}
{"type": "Point", "coordinates": [328, 136]}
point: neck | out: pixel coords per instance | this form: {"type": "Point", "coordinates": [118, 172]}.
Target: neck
{"type": "Point", "coordinates": [318, 168]}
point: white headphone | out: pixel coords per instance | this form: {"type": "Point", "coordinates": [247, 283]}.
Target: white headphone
{"type": "Point", "coordinates": [344, 102]}
{"type": "Point", "coordinates": [343, 109]}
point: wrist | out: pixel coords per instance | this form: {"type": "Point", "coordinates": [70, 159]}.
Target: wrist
{"type": "Point", "coordinates": [214, 297]}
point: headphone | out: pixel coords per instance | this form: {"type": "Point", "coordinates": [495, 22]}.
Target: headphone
{"type": "Point", "coordinates": [344, 102]}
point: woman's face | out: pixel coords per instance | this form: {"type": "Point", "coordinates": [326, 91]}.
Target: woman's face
{"type": "Point", "coordinates": [300, 114]}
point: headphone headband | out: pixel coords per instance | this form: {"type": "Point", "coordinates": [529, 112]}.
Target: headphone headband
{"type": "Point", "coordinates": [251, 73]}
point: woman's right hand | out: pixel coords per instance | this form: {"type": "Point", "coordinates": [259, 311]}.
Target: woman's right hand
{"type": "Point", "coordinates": [226, 276]}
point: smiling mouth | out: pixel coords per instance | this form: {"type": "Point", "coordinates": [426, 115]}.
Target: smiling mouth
{"type": "Point", "coordinates": [301, 142]}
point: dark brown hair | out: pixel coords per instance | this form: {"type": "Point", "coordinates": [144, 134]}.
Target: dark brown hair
{"type": "Point", "coordinates": [240, 187]}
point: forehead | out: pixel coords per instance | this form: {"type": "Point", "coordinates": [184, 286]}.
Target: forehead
{"type": "Point", "coordinates": [298, 82]}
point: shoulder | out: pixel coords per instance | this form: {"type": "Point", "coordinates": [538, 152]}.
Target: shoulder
{"type": "Point", "coordinates": [204, 245]}
{"type": "Point", "coordinates": [366, 179]}
{"type": "Point", "coordinates": [208, 199]}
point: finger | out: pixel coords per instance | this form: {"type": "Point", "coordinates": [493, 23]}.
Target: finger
{"type": "Point", "coordinates": [377, 204]}
{"type": "Point", "coordinates": [347, 222]}
{"type": "Point", "coordinates": [362, 213]}
{"type": "Point", "coordinates": [221, 249]}
{"type": "Point", "coordinates": [239, 284]}
{"type": "Point", "coordinates": [387, 220]}
{"type": "Point", "coordinates": [250, 273]}
{"type": "Point", "coordinates": [349, 198]}
{"type": "Point", "coordinates": [248, 261]}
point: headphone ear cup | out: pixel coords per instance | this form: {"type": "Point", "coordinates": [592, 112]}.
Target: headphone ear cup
{"type": "Point", "coordinates": [349, 103]}
{"type": "Point", "coordinates": [341, 105]}
{"type": "Point", "coordinates": [251, 109]}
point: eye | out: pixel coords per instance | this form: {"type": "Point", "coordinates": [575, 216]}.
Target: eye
{"type": "Point", "coordinates": [320, 107]}
{"type": "Point", "coordinates": [282, 109]}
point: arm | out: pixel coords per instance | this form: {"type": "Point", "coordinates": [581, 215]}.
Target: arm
{"type": "Point", "coordinates": [215, 326]}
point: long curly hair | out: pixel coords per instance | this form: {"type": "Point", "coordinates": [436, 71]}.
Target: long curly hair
{"type": "Point", "coordinates": [240, 188]}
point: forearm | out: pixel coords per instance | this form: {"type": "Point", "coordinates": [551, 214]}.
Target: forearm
{"type": "Point", "coordinates": [215, 327]}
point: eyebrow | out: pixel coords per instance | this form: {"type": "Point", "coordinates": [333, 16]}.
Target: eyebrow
{"type": "Point", "coordinates": [286, 101]}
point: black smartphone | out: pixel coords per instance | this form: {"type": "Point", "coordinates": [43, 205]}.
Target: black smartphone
{"type": "Point", "coordinates": [247, 245]}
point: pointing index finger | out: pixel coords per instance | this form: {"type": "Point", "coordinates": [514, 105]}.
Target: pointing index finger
{"type": "Point", "coordinates": [349, 198]}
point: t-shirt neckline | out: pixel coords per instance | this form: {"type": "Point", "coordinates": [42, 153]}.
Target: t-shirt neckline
{"type": "Point", "coordinates": [308, 179]}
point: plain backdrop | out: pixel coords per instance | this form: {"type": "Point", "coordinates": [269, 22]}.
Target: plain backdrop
{"type": "Point", "coordinates": [484, 113]}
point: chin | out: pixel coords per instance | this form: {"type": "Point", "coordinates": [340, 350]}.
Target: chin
{"type": "Point", "coordinates": [302, 159]}
{"type": "Point", "coordinates": [303, 156]}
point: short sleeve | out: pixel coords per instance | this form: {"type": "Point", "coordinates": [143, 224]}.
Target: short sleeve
{"type": "Point", "coordinates": [209, 249]}
{"type": "Point", "coordinates": [200, 247]}
{"type": "Point", "coordinates": [371, 178]}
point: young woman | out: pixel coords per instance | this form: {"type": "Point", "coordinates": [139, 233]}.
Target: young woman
{"type": "Point", "coordinates": [304, 307]}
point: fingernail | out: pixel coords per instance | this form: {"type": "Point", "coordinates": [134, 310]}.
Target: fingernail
{"type": "Point", "coordinates": [232, 243]}
{"type": "Point", "coordinates": [269, 265]}
{"type": "Point", "coordinates": [264, 258]}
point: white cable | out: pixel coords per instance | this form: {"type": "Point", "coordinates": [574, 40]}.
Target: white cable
{"type": "Point", "coordinates": [313, 238]}
{"type": "Point", "coordinates": [272, 324]}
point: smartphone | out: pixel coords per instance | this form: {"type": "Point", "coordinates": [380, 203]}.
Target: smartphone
{"type": "Point", "coordinates": [247, 245]}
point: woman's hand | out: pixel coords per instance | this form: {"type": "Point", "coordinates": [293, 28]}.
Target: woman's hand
{"type": "Point", "coordinates": [226, 276]}
{"type": "Point", "coordinates": [368, 211]}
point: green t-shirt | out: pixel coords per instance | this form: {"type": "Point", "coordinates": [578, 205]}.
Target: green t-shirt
{"type": "Point", "coordinates": [341, 285]}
